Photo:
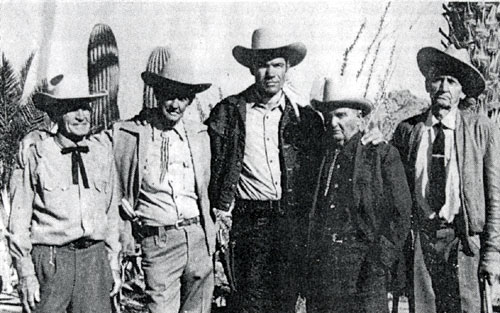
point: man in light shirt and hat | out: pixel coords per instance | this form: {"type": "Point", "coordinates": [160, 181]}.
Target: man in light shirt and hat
{"type": "Point", "coordinates": [164, 170]}
{"type": "Point", "coordinates": [264, 156]}
{"type": "Point", "coordinates": [64, 218]}
{"type": "Point", "coordinates": [453, 169]}
{"type": "Point", "coordinates": [361, 211]}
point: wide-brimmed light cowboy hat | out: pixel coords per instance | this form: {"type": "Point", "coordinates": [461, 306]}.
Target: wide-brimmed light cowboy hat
{"type": "Point", "coordinates": [268, 42]}
{"type": "Point", "coordinates": [454, 62]}
{"type": "Point", "coordinates": [65, 90]}
{"type": "Point", "coordinates": [178, 77]}
{"type": "Point", "coordinates": [342, 93]}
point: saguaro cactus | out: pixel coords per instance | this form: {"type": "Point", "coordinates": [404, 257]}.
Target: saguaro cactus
{"type": "Point", "coordinates": [157, 60]}
{"type": "Point", "coordinates": [103, 71]}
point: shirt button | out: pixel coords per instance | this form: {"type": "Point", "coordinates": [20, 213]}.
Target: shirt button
{"type": "Point", "coordinates": [267, 139]}
{"type": "Point", "coordinates": [332, 206]}
{"type": "Point", "coordinates": [338, 166]}
{"type": "Point", "coordinates": [336, 186]}
{"type": "Point", "coordinates": [271, 161]}
{"type": "Point", "coordinates": [267, 117]}
{"type": "Point", "coordinates": [276, 183]}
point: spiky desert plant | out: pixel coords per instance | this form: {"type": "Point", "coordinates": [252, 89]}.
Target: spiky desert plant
{"type": "Point", "coordinates": [156, 61]}
{"type": "Point", "coordinates": [475, 26]}
{"type": "Point", "coordinates": [104, 73]}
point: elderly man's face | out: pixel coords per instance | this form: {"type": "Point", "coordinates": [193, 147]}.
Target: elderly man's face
{"type": "Point", "coordinates": [270, 75]}
{"type": "Point", "coordinates": [445, 92]}
{"type": "Point", "coordinates": [343, 123]}
{"type": "Point", "coordinates": [173, 107]}
{"type": "Point", "coordinates": [75, 124]}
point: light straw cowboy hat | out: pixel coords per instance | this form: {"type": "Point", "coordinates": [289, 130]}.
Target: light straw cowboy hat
{"type": "Point", "coordinates": [342, 93]}
{"type": "Point", "coordinates": [266, 41]}
{"type": "Point", "coordinates": [65, 89]}
{"type": "Point", "coordinates": [178, 77]}
{"type": "Point", "coordinates": [454, 62]}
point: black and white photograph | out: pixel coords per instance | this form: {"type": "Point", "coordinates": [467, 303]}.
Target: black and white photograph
{"type": "Point", "coordinates": [162, 156]}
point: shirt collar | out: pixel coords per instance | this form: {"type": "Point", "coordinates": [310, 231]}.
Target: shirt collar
{"type": "Point", "coordinates": [449, 121]}
{"type": "Point", "coordinates": [64, 142]}
{"type": "Point", "coordinates": [177, 129]}
{"type": "Point", "coordinates": [278, 100]}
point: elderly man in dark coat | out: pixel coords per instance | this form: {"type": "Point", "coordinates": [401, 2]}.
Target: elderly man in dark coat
{"type": "Point", "coordinates": [452, 163]}
{"type": "Point", "coordinates": [361, 211]}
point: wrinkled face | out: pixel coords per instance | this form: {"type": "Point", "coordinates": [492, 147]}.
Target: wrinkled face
{"type": "Point", "coordinates": [343, 123]}
{"type": "Point", "coordinates": [75, 124]}
{"type": "Point", "coordinates": [270, 75]}
{"type": "Point", "coordinates": [173, 107]}
{"type": "Point", "coordinates": [445, 92]}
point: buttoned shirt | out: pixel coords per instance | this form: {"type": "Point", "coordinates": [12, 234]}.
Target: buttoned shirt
{"type": "Point", "coordinates": [336, 188]}
{"type": "Point", "coordinates": [168, 187]}
{"type": "Point", "coordinates": [260, 177]}
{"type": "Point", "coordinates": [49, 209]}
{"type": "Point", "coordinates": [451, 206]}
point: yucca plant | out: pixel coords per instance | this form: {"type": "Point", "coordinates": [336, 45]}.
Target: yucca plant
{"type": "Point", "coordinates": [475, 26]}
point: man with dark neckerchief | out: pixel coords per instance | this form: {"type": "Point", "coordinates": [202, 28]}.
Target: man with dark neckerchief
{"type": "Point", "coordinates": [64, 219]}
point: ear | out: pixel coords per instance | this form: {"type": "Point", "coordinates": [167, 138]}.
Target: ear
{"type": "Point", "coordinates": [462, 95]}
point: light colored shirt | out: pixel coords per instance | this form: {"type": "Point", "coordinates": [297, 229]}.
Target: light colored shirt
{"type": "Point", "coordinates": [48, 209]}
{"type": "Point", "coordinates": [168, 187]}
{"type": "Point", "coordinates": [451, 206]}
{"type": "Point", "coordinates": [260, 177]}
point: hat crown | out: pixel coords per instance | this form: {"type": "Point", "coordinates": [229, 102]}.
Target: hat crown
{"type": "Point", "coordinates": [68, 86]}
{"type": "Point", "coordinates": [180, 69]}
{"type": "Point", "coordinates": [460, 54]}
{"type": "Point", "coordinates": [266, 38]}
{"type": "Point", "coordinates": [341, 88]}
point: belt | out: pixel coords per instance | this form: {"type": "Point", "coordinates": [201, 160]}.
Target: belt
{"type": "Point", "coordinates": [79, 244]}
{"type": "Point", "coordinates": [146, 230]}
{"type": "Point", "coordinates": [342, 239]}
{"type": "Point", "coordinates": [259, 208]}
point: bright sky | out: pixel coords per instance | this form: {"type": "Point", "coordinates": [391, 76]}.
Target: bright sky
{"type": "Point", "coordinates": [209, 30]}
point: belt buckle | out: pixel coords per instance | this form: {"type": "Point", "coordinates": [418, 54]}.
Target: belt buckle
{"type": "Point", "coordinates": [178, 224]}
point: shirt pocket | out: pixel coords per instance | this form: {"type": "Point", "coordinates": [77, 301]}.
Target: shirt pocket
{"type": "Point", "coordinates": [56, 193]}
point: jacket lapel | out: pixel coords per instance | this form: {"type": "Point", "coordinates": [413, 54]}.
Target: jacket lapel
{"type": "Point", "coordinates": [195, 138]}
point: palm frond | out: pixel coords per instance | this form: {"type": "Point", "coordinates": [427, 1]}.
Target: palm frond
{"type": "Point", "coordinates": [9, 91]}
{"type": "Point", "coordinates": [25, 70]}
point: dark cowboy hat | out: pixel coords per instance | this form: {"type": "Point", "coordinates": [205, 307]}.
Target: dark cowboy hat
{"type": "Point", "coordinates": [64, 91]}
{"type": "Point", "coordinates": [268, 43]}
{"type": "Point", "coordinates": [340, 94]}
{"type": "Point", "coordinates": [176, 78]}
{"type": "Point", "coordinates": [454, 62]}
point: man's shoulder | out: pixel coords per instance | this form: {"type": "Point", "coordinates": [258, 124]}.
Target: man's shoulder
{"type": "Point", "coordinates": [476, 119]}
{"type": "Point", "coordinates": [414, 120]}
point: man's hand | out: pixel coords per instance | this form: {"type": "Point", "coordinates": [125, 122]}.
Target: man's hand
{"type": "Point", "coordinates": [29, 292]}
{"type": "Point", "coordinates": [373, 136]}
{"type": "Point", "coordinates": [117, 283]}
{"type": "Point", "coordinates": [223, 224]}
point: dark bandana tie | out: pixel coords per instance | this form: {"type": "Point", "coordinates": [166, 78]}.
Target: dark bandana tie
{"type": "Point", "coordinates": [77, 162]}
{"type": "Point", "coordinates": [437, 181]}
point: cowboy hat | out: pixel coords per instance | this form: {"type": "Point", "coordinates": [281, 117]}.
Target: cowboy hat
{"type": "Point", "coordinates": [177, 77]}
{"type": "Point", "coordinates": [63, 90]}
{"type": "Point", "coordinates": [267, 42]}
{"type": "Point", "coordinates": [452, 61]}
{"type": "Point", "coordinates": [342, 94]}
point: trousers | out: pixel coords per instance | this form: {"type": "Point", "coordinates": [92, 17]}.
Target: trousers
{"type": "Point", "coordinates": [445, 277]}
{"type": "Point", "coordinates": [178, 271]}
{"type": "Point", "coordinates": [73, 281]}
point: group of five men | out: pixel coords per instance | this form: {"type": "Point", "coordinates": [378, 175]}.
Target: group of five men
{"type": "Point", "coordinates": [316, 207]}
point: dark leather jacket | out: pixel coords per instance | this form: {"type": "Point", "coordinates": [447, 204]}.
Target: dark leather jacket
{"type": "Point", "coordinates": [299, 136]}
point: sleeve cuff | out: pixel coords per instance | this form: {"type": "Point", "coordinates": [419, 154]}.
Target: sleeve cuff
{"type": "Point", "coordinates": [113, 262]}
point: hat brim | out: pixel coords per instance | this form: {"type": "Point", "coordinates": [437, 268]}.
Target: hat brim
{"type": "Point", "coordinates": [172, 86]}
{"type": "Point", "coordinates": [326, 107]}
{"type": "Point", "coordinates": [46, 102]}
{"type": "Point", "coordinates": [470, 78]}
{"type": "Point", "coordinates": [294, 53]}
